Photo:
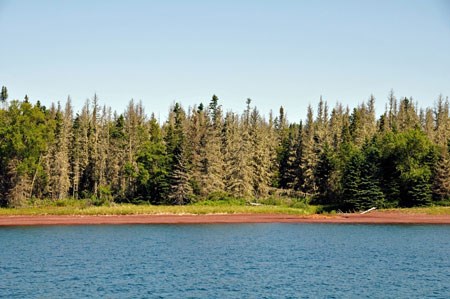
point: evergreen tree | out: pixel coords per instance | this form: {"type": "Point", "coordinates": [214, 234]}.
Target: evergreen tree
{"type": "Point", "coordinates": [441, 180]}
{"type": "Point", "coordinates": [290, 172]}
{"type": "Point", "coordinates": [260, 157]}
{"type": "Point", "coordinates": [361, 188]}
{"type": "Point", "coordinates": [407, 117]}
{"type": "Point", "coordinates": [283, 150]}
{"type": "Point", "coordinates": [351, 182]}
{"type": "Point", "coordinates": [212, 161]}
{"type": "Point", "coordinates": [117, 158]}
{"type": "Point", "coordinates": [237, 167]}
{"type": "Point", "coordinates": [180, 191]}
{"type": "Point", "coordinates": [152, 163]}
{"type": "Point", "coordinates": [197, 122]}
{"type": "Point", "coordinates": [308, 159]}
{"type": "Point", "coordinates": [3, 95]}
{"type": "Point", "coordinates": [428, 124]}
{"type": "Point", "coordinates": [57, 156]}
{"type": "Point", "coordinates": [326, 174]}
{"type": "Point", "coordinates": [442, 126]}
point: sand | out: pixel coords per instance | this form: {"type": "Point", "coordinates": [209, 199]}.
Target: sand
{"type": "Point", "coordinates": [376, 217]}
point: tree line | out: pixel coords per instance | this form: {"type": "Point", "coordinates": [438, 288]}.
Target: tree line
{"type": "Point", "coordinates": [342, 157]}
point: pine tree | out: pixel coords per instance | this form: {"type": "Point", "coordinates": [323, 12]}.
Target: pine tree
{"type": "Point", "coordinates": [180, 191]}
{"type": "Point", "coordinates": [4, 96]}
{"type": "Point", "coordinates": [117, 158]}
{"type": "Point", "coordinates": [80, 153]}
{"type": "Point", "coordinates": [441, 180]}
{"type": "Point", "coordinates": [104, 190]}
{"type": "Point", "coordinates": [429, 125]}
{"type": "Point", "coordinates": [213, 164]}
{"type": "Point", "coordinates": [57, 157]}
{"type": "Point", "coordinates": [309, 156]}
{"type": "Point", "coordinates": [196, 148]}
{"type": "Point", "coordinates": [356, 126]}
{"type": "Point", "coordinates": [361, 188]}
{"type": "Point", "coordinates": [152, 163]}
{"type": "Point", "coordinates": [370, 122]}
{"type": "Point", "coordinates": [336, 124]}
{"type": "Point", "coordinates": [272, 148]}
{"type": "Point", "coordinates": [136, 133]}
{"type": "Point", "coordinates": [442, 127]}
{"type": "Point", "coordinates": [282, 147]}
{"type": "Point", "coordinates": [289, 158]}
{"type": "Point", "coordinates": [407, 117]}
{"type": "Point", "coordinates": [237, 167]}
{"type": "Point", "coordinates": [351, 182]}
{"type": "Point", "coordinates": [325, 172]}
{"type": "Point", "coordinates": [392, 112]}
{"type": "Point", "coordinates": [260, 158]}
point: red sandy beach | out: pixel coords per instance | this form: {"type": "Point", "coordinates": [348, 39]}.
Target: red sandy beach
{"type": "Point", "coordinates": [371, 218]}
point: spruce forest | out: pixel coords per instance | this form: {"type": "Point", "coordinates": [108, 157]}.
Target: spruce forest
{"type": "Point", "coordinates": [338, 156]}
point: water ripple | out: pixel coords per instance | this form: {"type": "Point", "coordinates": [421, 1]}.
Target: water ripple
{"type": "Point", "coordinates": [225, 261]}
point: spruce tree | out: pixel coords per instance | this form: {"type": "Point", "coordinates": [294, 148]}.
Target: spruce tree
{"type": "Point", "coordinates": [196, 148]}
{"type": "Point", "coordinates": [237, 167]}
{"type": "Point", "coordinates": [213, 164]}
{"type": "Point", "coordinates": [3, 95]}
{"type": "Point", "coordinates": [441, 179]}
{"type": "Point", "coordinates": [152, 180]}
{"type": "Point", "coordinates": [325, 172]}
{"type": "Point", "coordinates": [289, 158]}
{"type": "Point", "coordinates": [361, 188]}
{"type": "Point", "coordinates": [260, 158]}
{"type": "Point", "coordinates": [309, 156]}
{"type": "Point", "coordinates": [180, 191]}
{"type": "Point", "coordinates": [57, 156]}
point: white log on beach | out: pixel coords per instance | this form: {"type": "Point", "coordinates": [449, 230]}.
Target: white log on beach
{"type": "Point", "coordinates": [369, 210]}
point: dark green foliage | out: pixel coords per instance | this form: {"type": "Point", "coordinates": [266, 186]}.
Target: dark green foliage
{"type": "Point", "coordinates": [361, 188]}
{"type": "Point", "coordinates": [408, 162]}
{"type": "Point", "coordinates": [153, 166]}
{"type": "Point", "coordinates": [289, 158]}
{"type": "Point", "coordinates": [4, 94]}
{"type": "Point", "coordinates": [327, 182]}
{"type": "Point", "coordinates": [152, 176]}
{"type": "Point", "coordinates": [24, 139]}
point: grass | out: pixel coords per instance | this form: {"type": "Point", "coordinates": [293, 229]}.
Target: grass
{"type": "Point", "coordinates": [220, 205]}
{"type": "Point", "coordinates": [81, 207]}
{"type": "Point", "coordinates": [433, 210]}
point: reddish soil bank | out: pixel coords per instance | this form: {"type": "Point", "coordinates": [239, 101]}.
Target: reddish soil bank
{"type": "Point", "coordinates": [371, 218]}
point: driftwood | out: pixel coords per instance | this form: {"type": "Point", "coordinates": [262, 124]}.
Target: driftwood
{"type": "Point", "coordinates": [369, 210]}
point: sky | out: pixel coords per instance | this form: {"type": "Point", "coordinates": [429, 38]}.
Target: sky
{"type": "Point", "coordinates": [278, 53]}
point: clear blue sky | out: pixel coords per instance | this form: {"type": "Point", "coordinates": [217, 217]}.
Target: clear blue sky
{"type": "Point", "coordinates": [275, 52]}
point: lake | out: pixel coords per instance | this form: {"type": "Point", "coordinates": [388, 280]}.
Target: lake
{"type": "Point", "coordinates": [226, 261]}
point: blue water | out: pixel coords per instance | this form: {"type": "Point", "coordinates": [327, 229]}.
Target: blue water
{"type": "Point", "coordinates": [226, 261]}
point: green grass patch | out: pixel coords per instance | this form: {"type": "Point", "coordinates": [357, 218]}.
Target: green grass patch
{"type": "Point", "coordinates": [223, 206]}
{"type": "Point", "coordinates": [433, 210]}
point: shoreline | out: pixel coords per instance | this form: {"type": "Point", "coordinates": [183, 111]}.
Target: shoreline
{"type": "Point", "coordinates": [370, 218]}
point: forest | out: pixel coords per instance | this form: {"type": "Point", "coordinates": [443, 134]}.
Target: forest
{"type": "Point", "coordinates": [347, 158]}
